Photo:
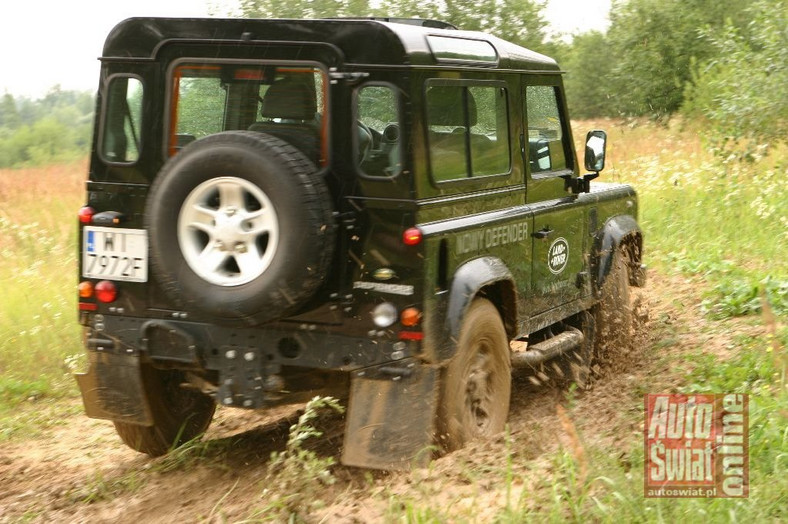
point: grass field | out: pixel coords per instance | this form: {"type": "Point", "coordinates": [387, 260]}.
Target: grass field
{"type": "Point", "coordinates": [38, 328]}
{"type": "Point", "coordinates": [722, 225]}
{"type": "Point", "coordinates": [723, 220]}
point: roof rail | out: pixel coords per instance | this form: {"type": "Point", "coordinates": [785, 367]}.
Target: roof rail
{"type": "Point", "coordinates": [422, 22]}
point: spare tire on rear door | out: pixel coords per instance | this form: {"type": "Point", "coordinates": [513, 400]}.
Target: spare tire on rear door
{"type": "Point", "coordinates": [240, 227]}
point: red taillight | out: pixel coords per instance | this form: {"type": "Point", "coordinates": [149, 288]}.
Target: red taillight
{"type": "Point", "coordinates": [411, 236]}
{"type": "Point", "coordinates": [106, 291]}
{"type": "Point", "coordinates": [411, 335]}
{"type": "Point", "coordinates": [86, 214]}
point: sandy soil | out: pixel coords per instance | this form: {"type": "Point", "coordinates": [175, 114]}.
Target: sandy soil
{"type": "Point", "coordinates": [79, 471]}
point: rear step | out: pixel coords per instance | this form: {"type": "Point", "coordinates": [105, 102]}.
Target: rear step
{"type": "Point", "coordinates": [541, 352]}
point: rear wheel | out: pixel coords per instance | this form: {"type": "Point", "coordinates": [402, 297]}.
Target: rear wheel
{"type": "Point", "coordinates": [179, 414]}
{"type": "Point", "coordinates": [476, 384]}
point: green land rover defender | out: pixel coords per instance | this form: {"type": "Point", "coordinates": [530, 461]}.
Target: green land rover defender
{"type": "Point", "coordinates": [375, 209]}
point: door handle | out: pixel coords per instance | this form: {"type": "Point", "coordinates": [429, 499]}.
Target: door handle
{"type": "Point", "coordinates": [543, 233]}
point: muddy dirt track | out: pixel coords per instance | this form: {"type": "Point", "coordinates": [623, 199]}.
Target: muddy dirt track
{"type": "Point", "coordinates": [77, 470]}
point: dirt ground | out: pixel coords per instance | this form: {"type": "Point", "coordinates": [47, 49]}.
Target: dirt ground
{"type": "Point", "coordinates": [78, 470]}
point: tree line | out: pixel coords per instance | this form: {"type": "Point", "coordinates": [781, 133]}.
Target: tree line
{"type": "Point", "coordinates": [724, 63]}
{"type": "Point", "coordinates": [54, 128]}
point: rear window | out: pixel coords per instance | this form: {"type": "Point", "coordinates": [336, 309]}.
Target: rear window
{"type": "Point", "coordinates": [284, 100]}
{"type": "Point", "coordinates": [468, 131]}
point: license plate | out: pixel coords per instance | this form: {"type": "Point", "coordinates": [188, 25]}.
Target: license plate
{"type": "Point", "coordinates": [115, 254]}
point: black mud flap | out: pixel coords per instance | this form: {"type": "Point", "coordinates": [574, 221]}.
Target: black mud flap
{"type": "Point", "coordinates": [391, 416]}
{"type": "Point", "coordinates": [113, 389]}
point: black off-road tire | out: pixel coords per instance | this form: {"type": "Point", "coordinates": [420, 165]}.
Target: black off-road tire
{"type": "Point", "coordinates": [241, 228]}
{"type": "Point", "coordinates": [477, 382]}
{"type": "Point", "coordinates": [179, 414]}
{"type": "Point", "coordinates": [613, 314]}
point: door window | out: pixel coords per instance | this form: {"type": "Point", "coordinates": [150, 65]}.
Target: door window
{"type": "Point", "coordinates": [546, 137]}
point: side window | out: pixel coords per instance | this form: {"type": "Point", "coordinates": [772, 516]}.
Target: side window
{"type": "Point", "coordinates": [468, 131]}
{"type": "Point", "coordinates": [123, 114]}
{"type": "Point", "coordinates": [378, 150]}
{"type": "Point", "coordinates": [545, 134]}
{"type": "Point", "coordinates": [490, 135]}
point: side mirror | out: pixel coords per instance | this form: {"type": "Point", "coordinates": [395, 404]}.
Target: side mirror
{"type": "Point", "coordinates": [596, 141]}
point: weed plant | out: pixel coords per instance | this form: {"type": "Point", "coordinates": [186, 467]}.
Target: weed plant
{"type": "Point", "coordinates": [297, 472]}
{"type": "Point", "coordinates": [100, 488]}
{"type": "Point", "coordinates": [38, 328]}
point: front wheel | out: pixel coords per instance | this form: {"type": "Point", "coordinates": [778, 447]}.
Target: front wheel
{"type": "Point", "coordinates": [477, 383]}
{"type": "Point", "coordinates": [179, 414]}
{"type": "Point", "coordinates": [613, 313]}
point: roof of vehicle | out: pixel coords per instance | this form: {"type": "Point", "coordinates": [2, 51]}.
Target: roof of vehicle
{"type": "Point", "coordinates": [356, 41]}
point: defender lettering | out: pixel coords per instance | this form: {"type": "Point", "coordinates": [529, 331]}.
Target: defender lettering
{"type": "Point", "coordinates": [491, 237]}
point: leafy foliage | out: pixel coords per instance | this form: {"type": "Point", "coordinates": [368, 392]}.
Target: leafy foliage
{"type": "Point", "coordinates": [749, 370]}
{"type": "Point", "coordinates": [200, 106]}
{"type": "Point", "coordinates": [743, 88]}
{"type": "Point", "coordinates": [53, 129]}
{"type": "Point", "coordinates": [657, 42]}
{"type": "Point", "coordinates": [519, 21]}
{"type": "Point", "coordinates": [297, 470]}
{"type": "Point", "coordinates": [734, 297]}
{"type": "Point", "coordinates": [653, 51]}
{"type": "Point", "coordinates": [304, 8]}
{"type": "Point", "coordinates": [589, 64]}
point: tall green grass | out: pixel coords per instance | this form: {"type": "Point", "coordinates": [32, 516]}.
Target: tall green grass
{"type": "Point", "coordinates": [38, 328]}
{"type": "Point", "coordinates": [722, 220]}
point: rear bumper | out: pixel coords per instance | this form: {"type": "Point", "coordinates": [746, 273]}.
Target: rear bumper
{"type": "Point", "coordinates": [202, 346]}
{"type": "Point", "coordinates": [242, 367]}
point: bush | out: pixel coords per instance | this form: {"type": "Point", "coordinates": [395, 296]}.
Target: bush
{"type": "Point", "coordinates": [54, 129]}
{"type": "Point", "coordinates": [743, 90]}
